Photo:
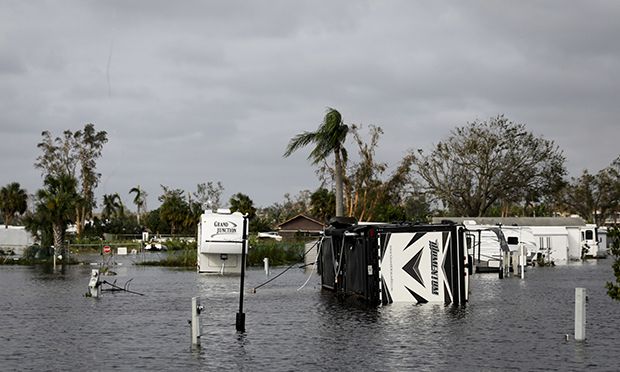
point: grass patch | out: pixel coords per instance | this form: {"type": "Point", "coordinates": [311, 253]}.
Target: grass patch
{"type": "Point", "coordinates": [183, 258]}
{"type": "Point", "coordinates": [278, 253]}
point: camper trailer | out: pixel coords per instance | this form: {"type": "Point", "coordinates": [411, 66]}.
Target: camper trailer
{"type": "Point", "coordinates": [221, 242]}
{"type": "Point", "coordinates": [521, 237]}
{"type": "Point", "coordinates": [561, 244]}
{"type": "Point", "coordinates": [400, 262]}
{"type": "Point", "coordinates": [488, 246]}
{"type": "Point", "coordinates": [15, 239]}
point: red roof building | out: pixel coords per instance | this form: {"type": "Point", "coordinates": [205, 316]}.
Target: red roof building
{"type": "Point", "coordinates": [302, 224]}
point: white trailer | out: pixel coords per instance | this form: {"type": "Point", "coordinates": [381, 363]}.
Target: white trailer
{"type": "Point", "coordinates": [521, 236]}
{"type": "Point", "coordinates": [564, 243]}
{"type": "Point", "coordinates": [15, 238]}
{"type": "Point", "coordinates": [221, 242]}
{"type": "Point", "coordinates": [488, 245]}
{"type": "Point", "coordinates": [552, 242]}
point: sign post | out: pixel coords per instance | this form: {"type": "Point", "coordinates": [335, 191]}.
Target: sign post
{"type": "Point", "coordinates": [240, 315]}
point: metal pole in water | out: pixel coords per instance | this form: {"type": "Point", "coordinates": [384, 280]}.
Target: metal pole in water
{"type": "Point", "coordinates": [196, 328]}
{"type": "Point", "coordinates": [266, 261]}
{"type": "Point", "coordinates": [240, 315]}
{"type": "Point", "coordinates": [580, 314]}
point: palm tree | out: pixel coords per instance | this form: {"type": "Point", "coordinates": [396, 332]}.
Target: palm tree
{"type": "Point", "coordinates": [138, 200]}
{"type": "Point", "coordinates": [174, 210]}
{"type": "Point", "coordinates": [243, 204]}
{"type": "Point", "coordinates": [13, 200]}
{"type": "Point", "coordinates": [111, 205]}
{"type": "Point", "coordinates": [57, 204]}
{"type": "Point", "coordinates": [194, 211]}
{"type": "Point", "coordinates": [329, 138]}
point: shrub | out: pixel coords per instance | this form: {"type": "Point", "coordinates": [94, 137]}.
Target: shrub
{"type": "Point", "coordinates": [277, 252]}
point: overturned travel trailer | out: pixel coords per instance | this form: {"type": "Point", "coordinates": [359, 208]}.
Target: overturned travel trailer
{"type": "Point", "coordinates": [396, 262]}
{"type": "Point", "coordinates": [221, 242]}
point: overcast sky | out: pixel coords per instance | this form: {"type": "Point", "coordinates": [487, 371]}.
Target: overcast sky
{"type": "Point", "coordinates": [199, 91]}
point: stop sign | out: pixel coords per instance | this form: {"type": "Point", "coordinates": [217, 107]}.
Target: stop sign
{"type": "Point", "coordinates": [106, 249]}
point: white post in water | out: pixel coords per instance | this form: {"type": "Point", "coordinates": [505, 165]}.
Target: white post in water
{"type": "Point", "coordinates": [580, 314]}
{"type": "Point", "coordinates": [266, 261]}
{"type": "Point", "coordinates": [522, 259]}
{"type": "Point", "coordinates": [196, 329]}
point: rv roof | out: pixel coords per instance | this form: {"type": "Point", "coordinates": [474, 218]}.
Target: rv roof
{"type": "Point", "coordinates": [518, 221]}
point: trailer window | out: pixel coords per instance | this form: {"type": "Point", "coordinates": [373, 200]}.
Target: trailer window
{"type": "Point", "coordinates": [513, 240]}
{"type": "Point", "coordinates": [589, 235]}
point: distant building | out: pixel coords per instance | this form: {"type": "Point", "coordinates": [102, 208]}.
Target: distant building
{"type": "Point", "coordinates": [302, 224]}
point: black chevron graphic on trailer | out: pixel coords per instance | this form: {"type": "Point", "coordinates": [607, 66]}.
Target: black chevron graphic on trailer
{"type": "Point", "coordinates": [447, 261]}
{"type": "Point", "coordinates": [420, 299]}
{"type": "Point", "coordinates": [384, 243]}
{"type": "Point", "coordinates": [446, 236]}
{"type": "Point", "coordinates": [416, 237]}
{"type": "Point", "coordinates": [446, 294]}
{"type": "Point", "coordinates": [385, 293]}
{"type": "Point", "coordinates": [413, 268]}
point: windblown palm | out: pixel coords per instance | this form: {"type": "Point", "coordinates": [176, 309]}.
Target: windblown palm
{"type": "Point", "coordinates": [138, 200]}
{"type": "Point", "coordinates": [13, 200]}
{"type": "Point", "coordinates": [329, 138]}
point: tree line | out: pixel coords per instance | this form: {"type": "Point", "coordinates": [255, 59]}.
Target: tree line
{"type": "Point", "coordinates": [484, 168]}
{"type": "Point", "coordinates": [492, 168]}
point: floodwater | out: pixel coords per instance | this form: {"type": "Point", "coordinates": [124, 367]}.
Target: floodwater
{"type": "Point", "coordinates": [46, 324]}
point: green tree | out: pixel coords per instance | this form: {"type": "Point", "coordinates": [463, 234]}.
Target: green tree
{"type": "Point", "coordinates": [13, 200]}
{"type": "Point", "coordinates": [75, 155]}
{"type": "Point", "coordinates": [322, 204]}
{"type": "Point", "coordinates": [613, 289]}
{"type": "Point", "coordinates": [39, 225]}
{"type": "Point", "coordinates": [111, 206]}
{"type": "Point", "coordinates": [57, 204]}
{"type": "Point", "coordinates": [154, 223]}
{"type": "Point", "coordinates": [243, 204]}
{"type": "Point", "coordinates": [417, 208]}
{"type": "Point", "coordinates": [329, 138]}
{"type": "Point", "coordinates": [485, 162]}
{"type": "Point", "coordinates": [594, 197]}
{"type": "Point", "coordinates": [174, 208]}
{"type": "Point", "coordinates": [194, 211]}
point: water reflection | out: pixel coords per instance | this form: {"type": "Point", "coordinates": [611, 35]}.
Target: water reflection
{"type": "Point", "coordinates": [508, 324]}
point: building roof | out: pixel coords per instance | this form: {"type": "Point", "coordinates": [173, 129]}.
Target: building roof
{"type": "Point", "coordinates": [518, 221]}
{"type": "Point", "coordinates": [301, 216]}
